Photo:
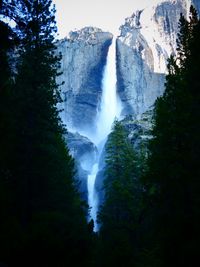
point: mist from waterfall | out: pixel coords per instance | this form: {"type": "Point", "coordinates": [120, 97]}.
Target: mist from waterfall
{"type": "Point", "coordinates": [110, 109]}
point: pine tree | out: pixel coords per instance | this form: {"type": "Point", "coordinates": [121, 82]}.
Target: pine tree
{"type": "Point", "coordinates": [120, 213]}
{"type": "Point", "coordinates": [49, 221]}
{"type": "Point", "coordinates": [173, 173]}
{"type": "Point", "coordinates": [7, 137]}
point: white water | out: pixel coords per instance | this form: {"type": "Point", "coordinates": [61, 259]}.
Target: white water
{"type": "Point", "coordinates": [110, 105]}
{"type": "Point", "coordinates": [110, 108]}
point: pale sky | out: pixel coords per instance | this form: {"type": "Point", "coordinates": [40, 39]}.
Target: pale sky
{"type": "Point", "coordinates": [105, 14]}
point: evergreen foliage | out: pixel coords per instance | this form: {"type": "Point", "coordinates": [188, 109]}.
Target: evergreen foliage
{"type": "Point", "coordinates": [43, 219]}
{"type": "Point", "coordinates": [120, 214]}
{"type": "Point", "coordinates": [173, 170]}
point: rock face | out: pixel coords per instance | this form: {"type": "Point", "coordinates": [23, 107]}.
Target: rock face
{"type": "Point", "coordinates": [84, 55]}
{"type": "Point", "coordinates": [79, 145]}
{"type": "Point", "coordinates": [139, 130]}
{"type": "Point", "coordinates": [146, 41]}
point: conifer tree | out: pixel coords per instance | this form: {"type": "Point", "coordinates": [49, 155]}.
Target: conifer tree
{"type": "Point", "coordinates": [49, 225]}
{"type": "Point", "coordinates": [120, 213]}
{"type": "Point", "coordinates": [7, 136]}
{"type": "Point", "coordinates": [173, 173]}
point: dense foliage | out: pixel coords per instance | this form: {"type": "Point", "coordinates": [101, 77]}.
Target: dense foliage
{"type": "Point", "coordinates": [120, 215]}
{"type": "Point", "coordinates": [42, 218]}
{"type": "Point", "coordinates": [173, 165]}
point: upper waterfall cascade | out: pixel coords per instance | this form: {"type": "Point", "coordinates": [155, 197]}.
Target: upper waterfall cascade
{"type": "Point", "coordinates": [110, 109]}
{"type": "Point", "coordinates": [110, 104]}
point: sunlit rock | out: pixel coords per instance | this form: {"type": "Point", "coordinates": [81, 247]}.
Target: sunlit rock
{"type": "Point", "coordinates": [146, 41]}
{"type": "Point", "coordinates": [84, 55]}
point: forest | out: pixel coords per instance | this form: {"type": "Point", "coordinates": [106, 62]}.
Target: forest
{"type": "Point", "coordinates": [150, 214]}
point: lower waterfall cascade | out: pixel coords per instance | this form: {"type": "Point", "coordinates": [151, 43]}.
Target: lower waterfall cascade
{"type": "Point", "coordinates": [110, 109]}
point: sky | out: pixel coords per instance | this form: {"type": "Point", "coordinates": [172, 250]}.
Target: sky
{"type": "Point", "coordinates": [105, 14]}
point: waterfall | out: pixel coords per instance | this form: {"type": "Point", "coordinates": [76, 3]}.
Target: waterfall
{"type": "Point", "coordinates": [110, 104]}
{"type": "Point", "coordinates": [109, 109]}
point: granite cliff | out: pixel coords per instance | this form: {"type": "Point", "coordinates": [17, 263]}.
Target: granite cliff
{"type": "Point", "coordinates": [146, 41]}
{"type": "Point", "coordinates": [84, 55]}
